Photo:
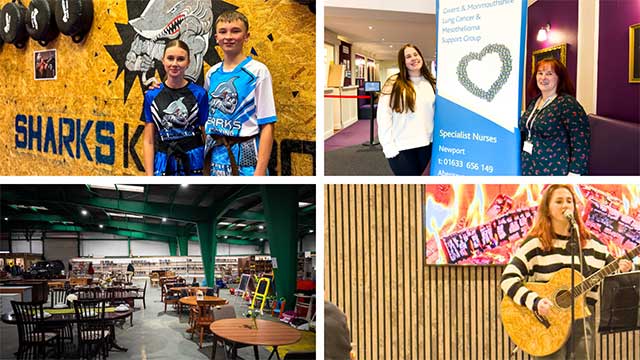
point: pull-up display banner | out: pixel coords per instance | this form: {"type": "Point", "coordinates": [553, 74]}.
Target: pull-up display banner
{"type": "Point", "coordinates": [480, 52]}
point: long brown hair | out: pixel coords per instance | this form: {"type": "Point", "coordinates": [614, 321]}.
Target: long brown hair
{"type": "Point", "coordinates": [403, 95]}
{"type": "Point", "coordinates": [542, 228]}
{"type": "Point", "coordinates": [565, 86]}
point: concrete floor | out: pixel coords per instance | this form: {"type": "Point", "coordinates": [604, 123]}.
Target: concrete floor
{"type": "Point", "coordinates": [154, 334]}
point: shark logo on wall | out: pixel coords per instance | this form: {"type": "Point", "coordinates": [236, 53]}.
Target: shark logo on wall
{"type": "Point", "coordinates": [152, 23]}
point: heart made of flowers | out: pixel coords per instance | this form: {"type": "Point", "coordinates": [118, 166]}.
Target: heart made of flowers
{"type": "Point", "coordinates": [505, 71]}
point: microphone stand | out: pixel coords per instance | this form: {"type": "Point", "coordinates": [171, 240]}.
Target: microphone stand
{"type": "Point", "coordinates": [573, 244]}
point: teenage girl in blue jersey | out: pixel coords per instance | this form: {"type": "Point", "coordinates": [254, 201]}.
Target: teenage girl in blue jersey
{"type": "Point", "coordinates": [175, 114]}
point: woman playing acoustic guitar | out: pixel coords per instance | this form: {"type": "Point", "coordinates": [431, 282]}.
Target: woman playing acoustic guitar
{"type": "Point", "coordinates": [542, 254]}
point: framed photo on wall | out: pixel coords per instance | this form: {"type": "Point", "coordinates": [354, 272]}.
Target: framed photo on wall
{"type": "Point", "coordinates": [557, 52]}
{"type": "Point", "coordinates": [44, 65]}
{"type": "Point", "coordinates": [634, 53]}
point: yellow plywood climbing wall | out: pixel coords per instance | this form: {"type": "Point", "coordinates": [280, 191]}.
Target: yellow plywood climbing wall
{"type": "Point", "coordinates": [87, 120]}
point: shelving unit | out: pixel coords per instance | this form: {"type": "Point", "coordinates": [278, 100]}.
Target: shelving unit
{"type": "Point", "coordinates": [181, 265]}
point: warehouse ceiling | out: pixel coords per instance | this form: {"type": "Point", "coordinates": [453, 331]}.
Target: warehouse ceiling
{"type": "Point", "coordinates": [149, 212]}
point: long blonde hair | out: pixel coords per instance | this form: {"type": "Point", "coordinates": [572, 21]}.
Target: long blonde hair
{"type": "Point", "coordinates": [403, 95]}
{"type": "Point", "coordinates": [542, 228]}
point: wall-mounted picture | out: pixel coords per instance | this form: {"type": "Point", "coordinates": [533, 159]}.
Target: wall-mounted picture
{"type": "Point", "coordinates": [45, 65]}
{"type": "Point", "coordinates": [557, 52]}
{"type": "Point", "coordinates": [634, 53]}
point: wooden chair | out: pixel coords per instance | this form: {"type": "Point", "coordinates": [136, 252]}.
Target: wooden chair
{"type": "Point", "coordinates": [204, 318]}
{"type": "Point", "coordinates": [170, 298]}
{"type": "Point", "coordinates": [155, 279]}
{"type": "Point", "coordinates": [142, 295]}
{"type": "Point", "coordinates": [227, 312]}
{"type": "Point", "coordinates": [58, 296]}
{"type": "Point", "coordinates": [94, 333]}
{"type": "Point", "coordinates": [33, 336]}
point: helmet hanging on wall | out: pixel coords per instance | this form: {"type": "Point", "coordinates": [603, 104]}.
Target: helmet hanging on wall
{"type": "Point", "coordinates": [40, 21]}
{"type": "Point", "coordinates": [12, 24]}
{"type": "Point", "coordinates": [74, 18]}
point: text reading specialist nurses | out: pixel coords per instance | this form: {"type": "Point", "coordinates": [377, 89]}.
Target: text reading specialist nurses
{"type": "Point", "coordinates": [554, 129]}
{"type": "Point", "coordinates": [175, 114]}
{"type": "Point", "coordinates": [242, 110]}
{"type": "Point", "coordinates": [405, 114]}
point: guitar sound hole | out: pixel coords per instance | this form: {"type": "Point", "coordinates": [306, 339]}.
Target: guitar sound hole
{"type": "Point", "coordinates": [563, 299]}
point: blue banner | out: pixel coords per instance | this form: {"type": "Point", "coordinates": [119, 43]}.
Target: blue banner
{"type": "Point", "coordinates": [480, 51]}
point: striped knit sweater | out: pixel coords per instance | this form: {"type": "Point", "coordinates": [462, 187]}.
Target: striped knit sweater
{"type": "Point", "coordinates": [531, 263]}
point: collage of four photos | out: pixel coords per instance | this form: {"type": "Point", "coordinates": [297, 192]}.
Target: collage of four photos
{"type": "Point", "coordinates": [439, 179]}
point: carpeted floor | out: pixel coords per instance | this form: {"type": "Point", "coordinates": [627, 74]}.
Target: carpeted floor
{"type": "Point", "coordinates": [357, 133]}
{"type": "Point", "coordinates": [345, 154]}
{"type": "Point", "coordinates": [356, 160]}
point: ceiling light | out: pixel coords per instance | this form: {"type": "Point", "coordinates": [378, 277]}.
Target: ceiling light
{"type": "Point", "coordinates": [260, 227]}
{"type": "Point", "coordinates": [184, 185]}
{"type": "Point", "coordinates": [224, 223]}
{"type": "Point", "coordinates": [34, 208]}
{"type": "Point", "coordinates": [370, 27]}
{"type": "Point", "coordinates": [125, 215]}
{"type": "Point", "coordinates": [310, 231]}
{"type": "Point", "coordinates": [382, 39]}
{"type": "Point", "coordinates": [130, 188]}
{"type": "Point", "coordinates": [226, 237]}
{"type": "Point", "coordinates": [390, 46]}
{"type": "Point", "coordinates": [164, 219]}
{"type": "Point", "coordinates": [261, 239]}
{"type": "Point", "coordinates": [6, 219]}
{"type": "Point", "coordinates": [240, 225]}
{"type": "Point", "coordinates": [84, 212]}
{"type": "Point", "coordinates": [302, 204]}
{"type": "Point", "coordinates": [101, 226]}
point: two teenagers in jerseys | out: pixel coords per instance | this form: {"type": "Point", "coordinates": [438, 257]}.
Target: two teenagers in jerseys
{"type": "Point", "coordinates": [235, 111]}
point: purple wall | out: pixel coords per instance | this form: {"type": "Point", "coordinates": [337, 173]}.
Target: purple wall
{"type": "Point", "coordinates": [563, 17]}
{"type": "Point", "coordinates": [617, 98]}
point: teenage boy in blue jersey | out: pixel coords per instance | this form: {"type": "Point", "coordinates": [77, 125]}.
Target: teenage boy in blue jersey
{"type": "Point", "coordinates": [242, 112]}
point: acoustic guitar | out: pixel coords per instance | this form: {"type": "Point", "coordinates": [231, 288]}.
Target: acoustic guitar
{"type": "Point", "coordinates": [539, 336]}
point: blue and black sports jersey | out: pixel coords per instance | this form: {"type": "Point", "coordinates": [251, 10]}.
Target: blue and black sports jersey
{"type": "Point", "coordinates": [177, 113]}
{"type": "Point", "coordinates": [240, 100]}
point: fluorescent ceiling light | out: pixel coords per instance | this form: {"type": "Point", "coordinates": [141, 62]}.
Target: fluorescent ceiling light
{"type": "Point", "coordinates": [18, 206]}
{"type": "Point", "coordinates": [164, 219]}
{"type": "Point", "coordinates": [125, 215]}
{"type": "Point", "coordinates": [224, 223]}
{"type": "Point", "coordinates": [302, 204]}
{"type": "Point", "coordinates": [84, 212]}
{"type": "Point", "coordinates": [131, 188]}
{"type": "Point", "coordinates": [260, 227]}
{"type": "Point", "coordinates": [101, 226]}
{"type": "Point", "coordinates": [240, 224]}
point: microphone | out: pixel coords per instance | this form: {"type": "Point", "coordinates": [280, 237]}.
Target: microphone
{"type": "Point", "coordinates": [569, 216]}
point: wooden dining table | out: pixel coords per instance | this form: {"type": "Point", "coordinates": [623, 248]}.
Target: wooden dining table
{"type": "Point", "coordinates": [65, 316]}
{"type": "Point", "coordinates": [193, 301]}
{"type": "Point", "coordinates": [240, 331]}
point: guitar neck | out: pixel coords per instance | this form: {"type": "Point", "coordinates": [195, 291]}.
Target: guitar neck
{"type": "Point", "coordinates": [595, 278]}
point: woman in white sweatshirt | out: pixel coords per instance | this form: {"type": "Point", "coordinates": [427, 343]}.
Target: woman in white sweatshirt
{"type": "Point", "coordinates": [405, 114]}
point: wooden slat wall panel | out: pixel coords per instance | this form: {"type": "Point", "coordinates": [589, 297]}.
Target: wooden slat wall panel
{"type": "Point", "coordinates": [399, 307]}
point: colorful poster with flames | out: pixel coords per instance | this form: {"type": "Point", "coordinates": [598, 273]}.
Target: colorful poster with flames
{"type": "Point", "coordinates": [483, 224]}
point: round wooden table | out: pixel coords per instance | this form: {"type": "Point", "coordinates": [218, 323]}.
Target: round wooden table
{"type": "Point", "coordinates": [268, 333]}
{"type": "Point", "coordinates": [191, 300]}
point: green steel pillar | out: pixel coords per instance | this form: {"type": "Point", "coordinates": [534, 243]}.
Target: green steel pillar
{"type": "Point", "coordinates": [281, 216]}
{"type": "Point", "coordinates": [173, 247]}
{"type": "Point", "coordinates": [208, 248]}
{"type": "Point", "coordinates": [183, 242]}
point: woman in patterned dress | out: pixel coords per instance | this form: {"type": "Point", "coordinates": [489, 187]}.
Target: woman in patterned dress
{"type": "Point", "coordinates": [554, 129]}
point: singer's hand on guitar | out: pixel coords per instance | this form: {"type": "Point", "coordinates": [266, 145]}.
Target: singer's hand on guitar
{"type": "Point", "coordinates": [625, 265]}
{"type": "Point", "coordinates": [544, 306]}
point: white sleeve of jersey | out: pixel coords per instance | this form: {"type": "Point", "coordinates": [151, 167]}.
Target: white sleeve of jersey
{"type": "Point", "coordinates": [265, 104]}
